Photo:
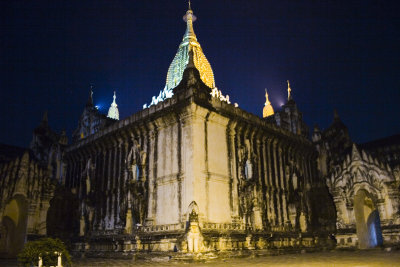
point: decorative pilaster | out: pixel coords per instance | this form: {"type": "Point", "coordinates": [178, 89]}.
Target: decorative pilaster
{"type": "Point", "coordinates": [233, 170]}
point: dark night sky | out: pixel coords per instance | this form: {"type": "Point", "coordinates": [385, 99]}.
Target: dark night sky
{"type": "Point", "coordinates": [337, 54]}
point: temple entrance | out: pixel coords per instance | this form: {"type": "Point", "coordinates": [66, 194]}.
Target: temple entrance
{"type": "Point", "coordinates": [374, 228]}
{"type": "Point", "coordinates": [367, 220]}
{"type": "Point", "coordinates": [13, 226]}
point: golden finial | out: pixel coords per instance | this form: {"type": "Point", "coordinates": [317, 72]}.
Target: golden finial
{"type": "Point", "coordinates": [266, 98]}
{"type": "Point", "coordinates": [113, 112]}
{"type": "Point", "coordinates": [91, 90]}
{"type": "Point", "coordinates": [189, 18]}
{"type": "Point", "coordinates": [268, 109]}
{"type": "Point", "coordinates": [289, 90]}
{"type": "Point", "coordinates": [89, 103]}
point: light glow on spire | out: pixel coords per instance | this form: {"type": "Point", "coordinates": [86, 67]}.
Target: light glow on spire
{"type": "Point", "coordinates": [113, 112]}
{"type": "Point", "coordinates": [268, 109]}
{"type": "Point", "coordinates": [181, 59]}
{"type": "Point", "coordinates": [289, 91]}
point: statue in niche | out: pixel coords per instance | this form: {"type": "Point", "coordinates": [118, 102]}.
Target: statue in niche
{"type": "Point", "coordinates": [143, 158]}
{"type": "Point", "coordinates": [303, 222]}
{"type": "Point", "coordinates": [86, 220]}
{"type": "Point", "coordinates": [86, 207]}
{"type": "Point", "coordinates": [90, 215]}
{"type": "Point", "coordinates": [87, 173]}
{"type": "Point", "coordinates": [292, 209]}
{"type": "Point", "coordinates": [287, 171]}
{"type": "Point", "coordinates": [246, 163]}
{"type": "Point", "coordinates": [295, 181]}
{"type": "Point", "coordinates": [128, 222]}
{"type": "Point", "coordinates": [248, 170]}
{"type": "Point", "coordinates": [248, 203]}
{"type": "Point", "coordinates": [291, 173]}
{"type": "Point", "coordinates": [137, 193]}
{"type": "Point", "coordinates": [82, 223]}
{"type": "Point", "coordinates": [194, 237]}
{"type": "Point", "coordinates": [132, 160]}
{"type": "Point", "coordinates": [136, 162]}
{"type": "Point", "coordinates": [247, 186]}
{"type": "Point", "coordinates": [296, 202]}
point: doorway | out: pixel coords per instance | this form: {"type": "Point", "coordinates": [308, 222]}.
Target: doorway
{"type": "Point", "coordinates": [13, 228]}
{"type": "Point", "coordinates": [367, 220]}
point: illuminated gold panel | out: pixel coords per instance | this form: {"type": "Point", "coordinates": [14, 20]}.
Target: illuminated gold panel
{"type": "Point", "coordinates": [268, 109]}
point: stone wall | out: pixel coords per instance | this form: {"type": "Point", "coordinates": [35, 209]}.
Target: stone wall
{"type": "Point", "coordinates": [193, 154]}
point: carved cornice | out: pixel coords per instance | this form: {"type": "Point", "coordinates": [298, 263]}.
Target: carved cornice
{"type": "Point", "coordinates": [217, 118]}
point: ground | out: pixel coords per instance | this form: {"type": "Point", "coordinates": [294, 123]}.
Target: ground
{"type": "Point", "coordinates": [334, 258]}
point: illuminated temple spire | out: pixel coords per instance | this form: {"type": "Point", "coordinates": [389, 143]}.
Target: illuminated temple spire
{"type": "Point", "coordinates": [289, 91]}
{"type": "Point", "coordinates": [45, 120]}
{"type": "Point", "coordinates": [189, 43]}
{"type": "Point", "coordinates": [179, 63]}
{"type": "Point", "coordinates": [89, 102]}
{"type": "Point", "coordinates": [113, 110]}
{"type": "Point", "coordinates": [268, 109]}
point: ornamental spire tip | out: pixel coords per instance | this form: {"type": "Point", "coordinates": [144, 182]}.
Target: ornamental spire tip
{"type": "Point", "coordinates": [268, 109]}
{"type": "Point", "coordinates": [89, 102]}
{"type": "Point", "coordinates": [289, 90]}
{"type": "Point", "coordinates": [113, 112]}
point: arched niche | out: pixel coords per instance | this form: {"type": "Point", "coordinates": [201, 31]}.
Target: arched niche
{"type": "Point", "coordinates": [13, 226]}
{"type": "Point", "coordinates": [367, 220]}
{"type": "Point", "coordinates": [192, 208]}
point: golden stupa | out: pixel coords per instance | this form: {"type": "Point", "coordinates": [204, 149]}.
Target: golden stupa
{"type": "Point", "coordinates": [181, 59]}
{"type": "Point", "coordinates": [268, 110]}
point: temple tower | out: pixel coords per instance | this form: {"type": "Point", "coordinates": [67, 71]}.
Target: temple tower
{"type": "Point", "coordinates": [201, 146]}
{"type": "Point", "coordinates": [268, 109]}
{"type": "Point", "coordinates": [113, 112]}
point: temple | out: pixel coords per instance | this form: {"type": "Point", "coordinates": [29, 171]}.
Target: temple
{"type": "Point", "coordinates": [191, 172]}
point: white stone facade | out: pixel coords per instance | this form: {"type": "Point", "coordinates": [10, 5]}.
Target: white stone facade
{"type": "Point", "coordinates": [251, 182]}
